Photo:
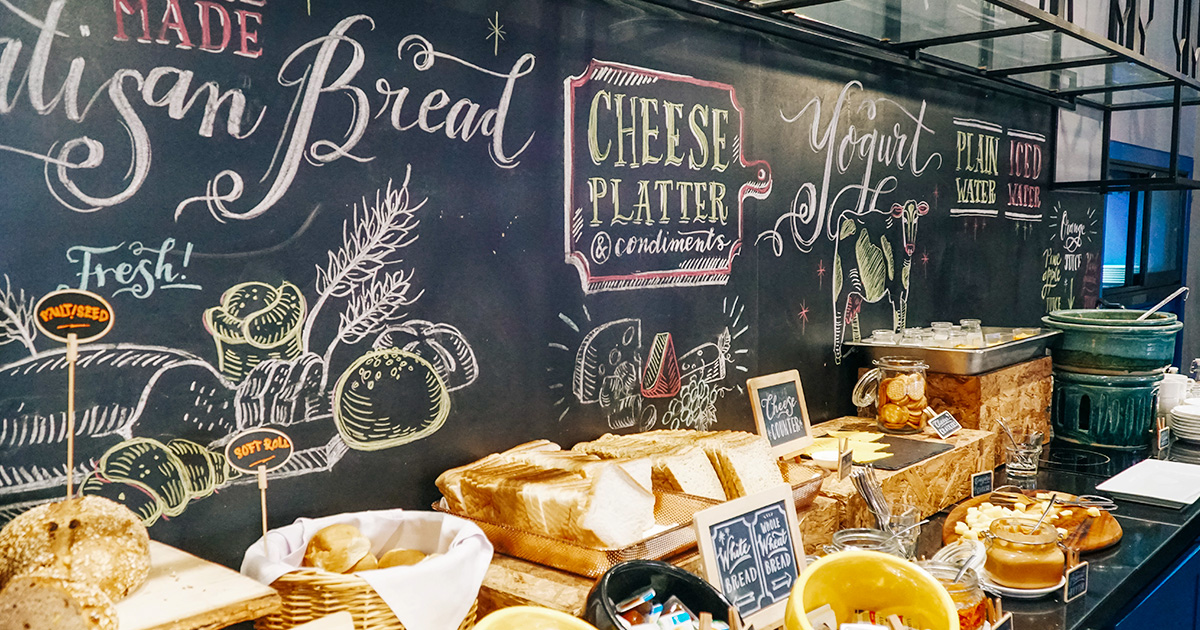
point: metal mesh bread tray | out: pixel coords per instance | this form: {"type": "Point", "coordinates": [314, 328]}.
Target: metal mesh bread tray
{"type": "Point", "coordinates": [671, 511]}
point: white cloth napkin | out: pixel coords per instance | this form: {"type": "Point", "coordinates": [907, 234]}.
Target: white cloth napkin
{"type": "Point", "coordinates": [435, 594]}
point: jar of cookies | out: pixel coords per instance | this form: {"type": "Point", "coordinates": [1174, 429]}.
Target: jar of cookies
{"type": "Point", "coordinates": [897, 388]}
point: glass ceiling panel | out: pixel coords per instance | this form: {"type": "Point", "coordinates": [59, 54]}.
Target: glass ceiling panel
{"type": "Point", "coordinates": [998, 53]}
{"type": "Point", "coordinates": [1144, 97]}
{"type": "Point", "coordinates": [1120, 73]}
{"type": "Point", "coordinates": [900, 21]}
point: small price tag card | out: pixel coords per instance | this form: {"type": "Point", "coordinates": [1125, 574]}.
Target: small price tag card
{"type": "Point", "coordinates": [981, 483]}
{"type": "Point", "coordinates": [845, 458]}
{"type": "Point", "coordinates": [945, 424]}
{"type": "Point", "coordinates": [1163, 435]}
{"type": "Point", "coordinates": [1077, 582]}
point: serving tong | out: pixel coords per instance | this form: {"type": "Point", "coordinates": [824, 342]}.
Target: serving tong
{"type": "Point", "coordinates": [1010, 496]}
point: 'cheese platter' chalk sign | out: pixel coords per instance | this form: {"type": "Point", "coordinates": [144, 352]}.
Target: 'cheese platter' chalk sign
{"type": "Point", "coordinates": [750, 551]}
{"type": "Point", "coordinates": [780, 413]}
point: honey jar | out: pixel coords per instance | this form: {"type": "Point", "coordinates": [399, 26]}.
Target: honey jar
{"type": "Point", "coordinates": [965, 592]}
{"type": "Point", "coordinates": [1020, 555]}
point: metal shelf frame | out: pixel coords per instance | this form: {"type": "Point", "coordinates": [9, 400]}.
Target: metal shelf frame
{"type": "Point", "coordinates": [787, 18]}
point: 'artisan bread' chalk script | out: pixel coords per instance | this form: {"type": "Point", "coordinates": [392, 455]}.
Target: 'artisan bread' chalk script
{"type": "Point", "coordinates": [325, 68]}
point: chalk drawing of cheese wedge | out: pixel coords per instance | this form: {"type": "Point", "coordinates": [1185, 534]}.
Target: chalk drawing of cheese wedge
{"type": "Point", "coordinates": [606, 352]}
{"type": "Point", "coordinates": [707, 361]}
{"type": "Point", "coordinates": [389, 397]}
{"type": "Point", "coordinates": [661, 377]}
{"type": "Point", "coordinates": [256, 322]}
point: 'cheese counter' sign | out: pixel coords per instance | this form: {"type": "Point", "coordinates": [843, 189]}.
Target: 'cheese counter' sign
{"type": "Point", "coordinates": [749, 547]}
{"type": "Point", "coordinates": [62, 313]}
{"type": "Point", "coordinates": [256, 448]}
{"type": "Point", "coordinates": [780, 413]}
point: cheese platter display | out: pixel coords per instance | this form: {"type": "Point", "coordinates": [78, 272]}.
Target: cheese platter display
{"type": "Point", "coordinates": [1084, 528]}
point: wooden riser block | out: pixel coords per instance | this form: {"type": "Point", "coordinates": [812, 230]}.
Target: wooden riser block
{"type": "Point", "coordinates": [932, 484]}
{"type": "Point", "coordinates": [1020, 395]}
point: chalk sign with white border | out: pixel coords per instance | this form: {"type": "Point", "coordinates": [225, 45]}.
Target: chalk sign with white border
{"type": "Point", "coordinates": [752, 552]}
{"type": "Point", "coordinates": [780, 413]}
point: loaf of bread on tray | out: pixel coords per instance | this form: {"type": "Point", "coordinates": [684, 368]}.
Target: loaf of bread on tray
{"type": "Point", "coordinates": [538, 487]}
{"type": "Point", "coordinates": [88, 539]}
{"type": "Point", "coordinates": [738, 463]}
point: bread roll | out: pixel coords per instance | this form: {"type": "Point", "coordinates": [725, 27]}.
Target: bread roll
{"type": "Point", "coordinates": [400, 558]}
{"type": "Point", "coordinates": [336, 548]}
{"type": "Point", "coordinates": [368, 563]}
{"type": "Point", "coordinates": [41, 602]}
{"type": "Point", "coordinates": [89, 539]}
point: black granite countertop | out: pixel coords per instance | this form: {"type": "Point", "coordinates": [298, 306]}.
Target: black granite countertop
{"type": "Point", "coordinates": [1154, 538]}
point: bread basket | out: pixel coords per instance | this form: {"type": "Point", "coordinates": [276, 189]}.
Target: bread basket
{"type": "Point", "coordinates": [310, 594]}
{"type": "Point", "coordinates": [438, 593]}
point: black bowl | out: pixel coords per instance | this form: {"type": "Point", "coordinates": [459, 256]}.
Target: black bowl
{"type": "Point", "coordinates": [628, 577]}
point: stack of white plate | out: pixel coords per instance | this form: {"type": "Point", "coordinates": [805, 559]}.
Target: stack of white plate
{"type": "Point", "coordinates": [1185, 422]}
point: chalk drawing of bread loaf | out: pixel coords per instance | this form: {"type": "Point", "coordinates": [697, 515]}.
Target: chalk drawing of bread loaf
{"type": "Point", "coordinates": [256, 322]}
{"type": "Point", "coordinates": [387, 398]}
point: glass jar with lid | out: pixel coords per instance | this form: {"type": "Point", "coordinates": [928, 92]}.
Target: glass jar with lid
{"type": "Point", "coordinates": [864, 538]}
{"type": "Point", "coordinates": [897, 388]}
{"type": "Point", "coordinates": [1023, 554]}
{"type": "Point", "coordinates": [965, 592]}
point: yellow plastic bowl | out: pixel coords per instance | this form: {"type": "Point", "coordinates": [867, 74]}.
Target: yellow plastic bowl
{"type": "Point", "coordinates": [870, 580]}
{"type": "Point", "coordinates": [531, 618]}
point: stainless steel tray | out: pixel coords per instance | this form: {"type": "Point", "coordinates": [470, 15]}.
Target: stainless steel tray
{"type": "Point", "coordinates": [968, 361]}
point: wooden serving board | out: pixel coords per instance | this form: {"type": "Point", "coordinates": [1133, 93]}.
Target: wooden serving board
{"type": "Point", "coordinates": [184, 592]}
{"type": "Point", "coordinates": [1084, 533]}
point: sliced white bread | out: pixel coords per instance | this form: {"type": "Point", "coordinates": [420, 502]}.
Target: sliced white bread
{"type": "Point", "coordinates": [677, 467]}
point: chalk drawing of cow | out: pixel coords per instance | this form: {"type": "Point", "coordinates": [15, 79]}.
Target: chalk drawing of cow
{"type": "Point", "coordinates": [872, 270]}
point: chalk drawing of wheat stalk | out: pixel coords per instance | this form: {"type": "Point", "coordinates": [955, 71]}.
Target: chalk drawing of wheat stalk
{"type": "Point", "coordinates": [16, 317]}
{"type": "Point", "coordinates": [372, 238]}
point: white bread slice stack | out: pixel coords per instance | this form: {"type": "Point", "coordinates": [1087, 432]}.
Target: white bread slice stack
{"type": "Point", "coordinates": [542, 489]}
{"type": "Point", "coordinates": [676, 468]}
{"type": "Point", "coordinates": [742, 460]}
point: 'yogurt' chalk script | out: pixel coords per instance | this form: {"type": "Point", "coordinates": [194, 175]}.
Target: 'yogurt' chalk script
{"type": "Point", "coordinates": [325, 68]}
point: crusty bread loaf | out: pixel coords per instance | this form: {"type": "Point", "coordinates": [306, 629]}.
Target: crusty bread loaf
{"type": "Point", "coordinates": [675, 467]}
{"type": "Point", "coordinates": [570, 496]}
{"type": "Point", "coordinates": [90, 540]}
{"type": "Point", "coordinates": [39, 601]}
{"type": "Point", "coordinates": [338, 548]}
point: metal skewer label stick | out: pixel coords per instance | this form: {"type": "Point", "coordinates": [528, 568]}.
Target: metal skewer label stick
{"type": "Point", "coordinates": [72, 316]}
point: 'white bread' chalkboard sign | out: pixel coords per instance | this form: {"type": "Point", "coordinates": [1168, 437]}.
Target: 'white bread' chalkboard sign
{"type": "Point", "coordinates": [780, 412]}
{"type": "Point", "coordinates": [749, 549]}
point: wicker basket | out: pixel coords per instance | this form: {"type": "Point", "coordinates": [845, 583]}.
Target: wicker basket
{"type": "Point", "coordinates": [310, 594]}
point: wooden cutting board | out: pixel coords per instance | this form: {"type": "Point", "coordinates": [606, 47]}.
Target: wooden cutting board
{"type": "Point", "coordinates": [1084, 533]}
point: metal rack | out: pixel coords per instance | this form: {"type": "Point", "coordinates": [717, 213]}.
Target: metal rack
{"type": "Point", "coordinates": [1002, 45]}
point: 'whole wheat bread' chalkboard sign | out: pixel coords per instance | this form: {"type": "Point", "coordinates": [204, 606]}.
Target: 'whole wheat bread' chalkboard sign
{"type": "Point", "coordinates": [749, 549]}
{"type": "Point", "coordinates": [780, 412]}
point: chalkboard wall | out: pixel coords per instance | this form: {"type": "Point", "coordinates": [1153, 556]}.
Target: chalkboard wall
{"type": "Point", "coordinates": [409, 234]}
